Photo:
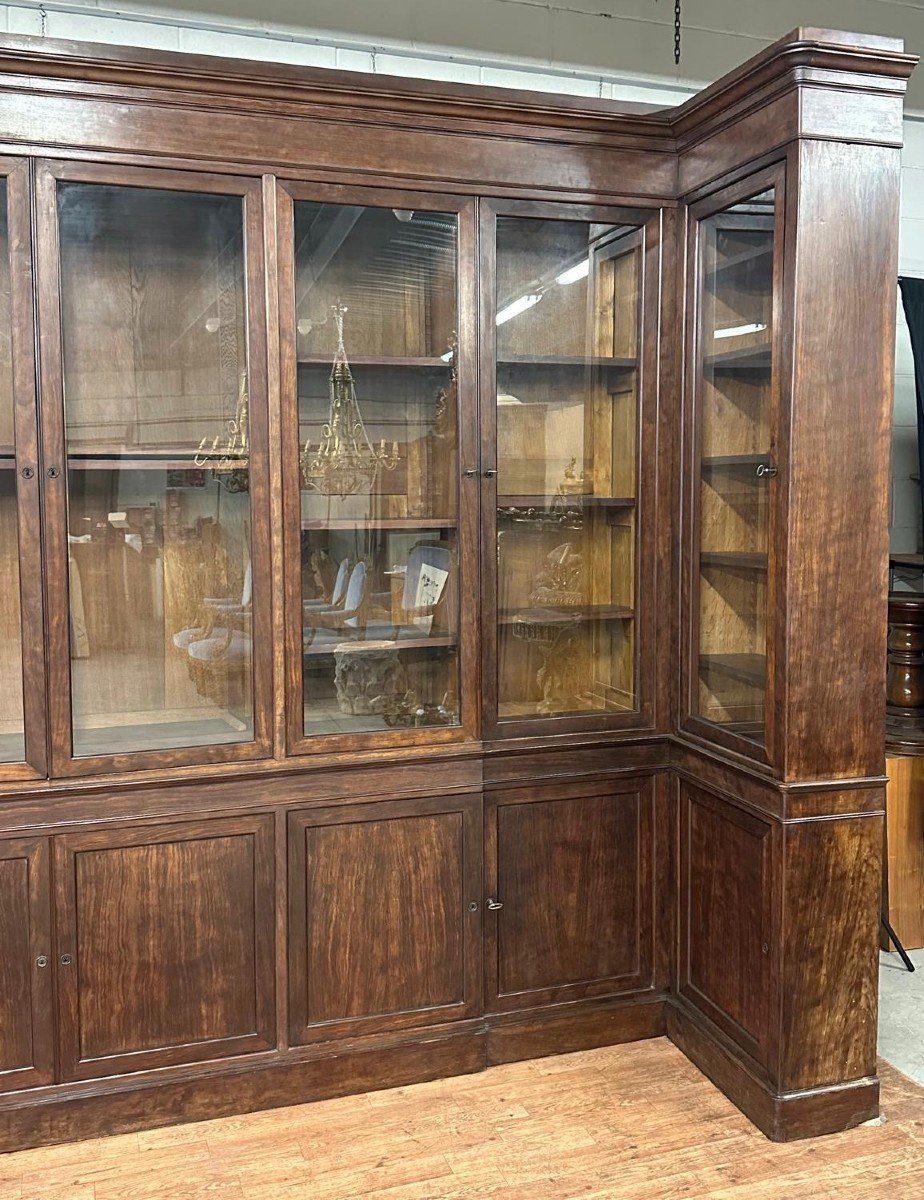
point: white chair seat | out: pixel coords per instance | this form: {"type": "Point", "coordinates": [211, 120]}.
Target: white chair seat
{"type": "Point", "coordinates": [218, 646]}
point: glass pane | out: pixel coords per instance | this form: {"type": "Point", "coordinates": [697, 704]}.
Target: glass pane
{"type": "Point", "coordinates": [376, 313]}
{"type": "Point", "coordinates": [155, 401]}
{"type": "Point", "coordinates": [12, 741]}
{"type": "Point", "coordinates": [567, 432]}
{"type": "Point", "coordinates": [736, 311]}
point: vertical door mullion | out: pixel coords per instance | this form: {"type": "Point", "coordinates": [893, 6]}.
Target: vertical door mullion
{"type": "Point", "coordinates": [468, 491]}
{"type": "Point", "coordinates": [51, 382]}
{"type": "Point", "coordinates": [28, 492]}
{"type": "Point", "coordinates": [487, 258]}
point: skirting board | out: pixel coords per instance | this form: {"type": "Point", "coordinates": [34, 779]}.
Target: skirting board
{"type": "Point", "coordinates": [47, 1116]}
{"type": "Point", "coordinates": [783, 1117]}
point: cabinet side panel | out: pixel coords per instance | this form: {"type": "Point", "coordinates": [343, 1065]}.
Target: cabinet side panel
{"type": "Point", "coordinates": [830, 972]}
{"type": "Point", "coordinates": [843, 234]}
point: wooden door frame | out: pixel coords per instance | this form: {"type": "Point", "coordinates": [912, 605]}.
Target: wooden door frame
{"type": "Point", "coordinates": [288, 193]}
{"type": "Point", "coordinates": [16, 171]}
{"type": "Point", "coordinates": [261, 827]}
{"type": "Point", "coordinates": [648, 468]}
{"type": "Point", "coordinates": [469, 806]}
{"type": "Point", "coordinates": [721, 197]}
{"type": "Point", "coordinates": [49, 173]}
{"type": "Point", "coordinates": [641, 786]}
{"type": "Point", "coordinates": [36, 851]}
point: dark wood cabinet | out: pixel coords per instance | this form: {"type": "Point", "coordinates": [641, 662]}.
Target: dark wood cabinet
{"type": "Point", "coordinates": [26, 966]}
{"type": "Point", "coordinates": [443, 618]}
{"type": "Point", "coordinates": [165, 941]}
{"type": "Point", "coordinates": [730, 903]}
{"type": "Point", "coordinates": [384, 916]}
{"type": "Point", "coordinates": [570, 879]}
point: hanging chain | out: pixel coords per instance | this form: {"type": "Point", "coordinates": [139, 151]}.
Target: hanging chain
{"type": "Point", "coordinates": [677, 32]}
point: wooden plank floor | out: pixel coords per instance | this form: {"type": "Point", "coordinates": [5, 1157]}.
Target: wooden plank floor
{"type": "Point", "coordinates": [636, 1122]}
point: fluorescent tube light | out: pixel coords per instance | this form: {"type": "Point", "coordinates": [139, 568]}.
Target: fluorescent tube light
{"type": "Point", "coordinates": [517, 306]}
{"type": "Point", "coordinates": [739, 330]}
{"type": "Point", "coordinates": [573, 274]}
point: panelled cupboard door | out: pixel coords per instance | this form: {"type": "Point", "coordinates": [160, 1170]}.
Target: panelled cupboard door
{"type": "Point", "coordinates": [153, 368]}
{"type": "Point", "coordinates": [165, 944]}
{"type": "Point", "coordinates": [570, 883]}
{"type": "Point", "coordinates": [384, 916]}
{"type": "Point", "coordinates": [26, 971]}
{"type": "Point", "coordinates": [729, 879]}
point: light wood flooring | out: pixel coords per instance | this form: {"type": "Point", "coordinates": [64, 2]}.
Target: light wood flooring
{"type": "Point", "coordinates": [636, 1122]}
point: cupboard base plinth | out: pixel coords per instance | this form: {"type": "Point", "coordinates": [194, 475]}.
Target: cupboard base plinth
{"type": "Point", "coordinates": [101, 1108]}
{"type": "Point", "coordinates": [782, 1116]}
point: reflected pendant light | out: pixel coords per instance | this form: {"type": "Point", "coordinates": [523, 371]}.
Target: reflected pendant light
{"type": "Point", "coordinates": [344, 462]}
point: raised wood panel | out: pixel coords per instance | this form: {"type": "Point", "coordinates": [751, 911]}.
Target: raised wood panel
{"type": "Point", "coordinates": [728, 882]}
{"type": "Point", "coordinates": [575, 879]}
{"type": "Point", "coordinates": [830, 971]}
{"type": "Point", "coordinates": [26, 1039]}
{"type": "Point", "coordinates": [169, 933]}
{"type": "Point", "coordinates": [382, 929]}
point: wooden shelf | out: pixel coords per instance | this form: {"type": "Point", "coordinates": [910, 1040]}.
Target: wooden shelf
{"type": "Point", "coordinates": [565, 360]}
{"type": "Point", "coordinates": [734, 560]}
{"type": "Point", "coordinates": [383, 362]}
{"type": "Point", "coordinates": [584, 612]}
{"type": "Point", "coordinates": [753, 358]}
{"type": "Point", "coordinates": [745, 668]}
{"type": "Point", "coordinates": [575, 501]}
{"type": "Point", "coordinates": [744, 258]}
{"type": "Point", "coordinates": [733, 463]}
{"type": "Point", "coordinates": [373, 646]}
{"type": "Point", "coordinates": [409, 523]}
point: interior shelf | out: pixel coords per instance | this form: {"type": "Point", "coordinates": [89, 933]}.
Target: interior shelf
{"type": "Point", "coordinates": [577, 501]}
{"type": "Point", "coordinates": [734, 560]}
{"type": "Point", "coordinates": [376, 645]}
{"type": "Point", "coordinates": [745, 668]}
{"type": "Point", "coordinates": [753, 358]}
{"type": "Point", "coordinates": [409, 523]}
{"type": "Point", "coordinates": [383, 362]}
{"type": "Point", "coordinates": [744, 258]}
{"type": "Point", "coordinates": [583, 612]}
{"type": "Point", "coordinates": [565, 360]}
{"type": "Point", "coordinates": [736, 463]}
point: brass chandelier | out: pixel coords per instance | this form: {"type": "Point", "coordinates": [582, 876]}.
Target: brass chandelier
{"type": "Point", "coordinates": [228, 455]}
{"type": "Point", "coordinates": [344, 462]}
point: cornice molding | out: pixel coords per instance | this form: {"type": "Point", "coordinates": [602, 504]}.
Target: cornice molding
{"type": "Point", "coordinates": [805, 57]}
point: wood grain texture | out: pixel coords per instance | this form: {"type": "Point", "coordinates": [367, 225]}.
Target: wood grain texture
{"type": "Point", "coordinates": [729, 880]}
{"type": "Point", "coordinates": [168, 935]}
{"type": "Point", "coordinates": [26, 966]}
{"type": "Point", "coordinates": [549, 1127]}
{"type": "Point", "coordinates": [842, 380]}
{"type": "Point", "coordinates": [903, 895]}
{"type": "Point", "coordinates": [574, 877]}
{"type": "Point", "coordinates": [830, 964]}
{"type": "Point", "coordinates": [384, 916]}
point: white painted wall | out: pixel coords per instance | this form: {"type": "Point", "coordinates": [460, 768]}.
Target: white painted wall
{"type": "Point", "coordinates": [621, 49]}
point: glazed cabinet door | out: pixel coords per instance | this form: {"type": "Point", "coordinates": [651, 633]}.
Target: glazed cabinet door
{"type": "Point", "coordinates": [569, 401]}
{"type": "Point", "coordinates": [26, 971]}
{"type": "Point", "coordinates": [377, 326]}
{"type": "Point", "coordinates": [22, 681]}
{"type": "Point", "coordinates": [153, 369]}
{"type": "Point", "coordinates": [165, 940]}
{"type": "Point", "coordinates": [384, 916]}
{"type": "Point", "coordinates": [734, 483]}
{"type": "Point", "coordinates": [570, 880]}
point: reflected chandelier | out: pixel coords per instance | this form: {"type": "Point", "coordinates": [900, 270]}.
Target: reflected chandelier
{"type": "Point", "coordinates": [344, 462]}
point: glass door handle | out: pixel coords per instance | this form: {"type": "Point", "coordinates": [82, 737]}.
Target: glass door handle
{"type": "Point", "coordinates": [767, 471]}
{"type": "Point", "coordinates": [471, 472]}
{"type": "Point", "coordinates": [493, 905]}
{"type": "Point", "coordinates": [490, 473]}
